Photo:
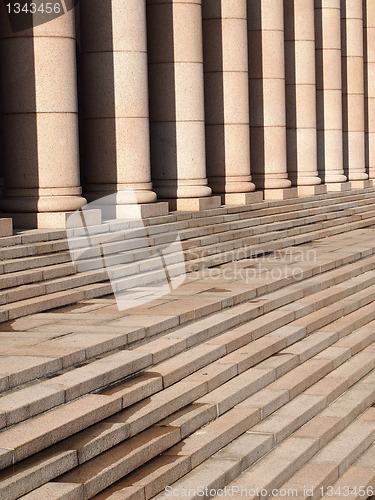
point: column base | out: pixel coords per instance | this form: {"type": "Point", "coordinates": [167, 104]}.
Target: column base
{"type": "Point", "coordinates": [311, 190]}
{"type": "Point", "coordinates": [361, 184]}
{"type": "Point", "coordinates": [280, 194]}
{"type": "Point", "coordinates": [339, 186]}
{"type": "Point", "coordinates": [6, 227]}
{"type": "Point", "coordinates": [242, 198]}
{"type": "Point", "coordinates": [142, 210]}
{"type": "Point", "coordinates": [55, 220]}
{"type": "Point", "coordinates": [194, 204]}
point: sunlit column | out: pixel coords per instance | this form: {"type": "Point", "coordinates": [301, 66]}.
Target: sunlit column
{"type": "Point", "coordinates": [40, 134]}
{"type": "Point", "coordinates": [115, 95]}
{"type": "Point", "coordinates": [301, 96]}
{"type": "Point", "coordinates": [267, 97]}
{"type": "Point", "coordinates": [353, 91]}
{"type": "Point", "coordinates": [369, 61]}
{"type": "Point", "coordinates": [329, 92]}
{"type": "Point", "coordinates": [178, 154]}
{"type": "Point", "coordinates": [227, 100]}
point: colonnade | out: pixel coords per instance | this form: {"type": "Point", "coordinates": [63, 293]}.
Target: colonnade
{"type": "Point", "coordinates": [192, 102]}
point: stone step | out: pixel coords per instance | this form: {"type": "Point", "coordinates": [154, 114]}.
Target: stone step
{"type": "Point", "coordinates": [121, 284]}
{"type": "Point", "coordinates": [246, 345]}
{"type": "Point", "coordinates": [33, 249]}
{"type": "Point", "coordinates": [325, 471]}
{"type": "Point", "coordinates": [49, 372]}
{"type": "Point", "coordinates": [59, 246]}
{"type": "Point", "coordinates": [267, 233]}
{"type": "Point", "coordinates": [44, 466]}
{"type": "Point", "coordinates": [358, 480]}
{"type": "Point", "coordinates": [264, 320]}
{"type": "Point", "coordinates": [38, 433]}
{"type": "Point", "coordinates": [114, 464]}
{"type": "Point", "coordinates": [215, 469]}
{"type": "Point", "coordinates": [25, 307]}
{"type": "Point", "coordinates": [231, 253]}
{"type": "Point", "coordinates": [16, 265]}
{"type": "Point", "coordinates": [128, 426]}
{"type": "Point", "coordinates": [27, 291]}
{"type": "Point", "coordinates": [56, 491]}
{"type": "Point", "coordinates": [242, 453]}
{"type": "Point", "coordinates": [301, 373]}
{"type": "Point", "coordinates": [119, 265]}
{"type": "Point", "coordinates": [90, 262]}
{"type": "Point", "coordinates": [25, 237]}
{"type": "Point", "coordinates": [20, 278]}
{"type": "Point", "coordinates": [271, 472]}
{"type": "Point", "coordinates": [261, 225]}
{"type": "Point", "coordinates": [183, 220]}
{"type": "Point", "coordinates": [47, 287]}
{"type": "Point", "coordinates": [131, 418]}
{"type": "Point", "coordinates": [25, 263]}
{"type": "Point", "coordinates": [203, 410]}
{"type": "Point", "coordinates": [317, 219]}
{"type": "Point", "coordinates": [300, 414]}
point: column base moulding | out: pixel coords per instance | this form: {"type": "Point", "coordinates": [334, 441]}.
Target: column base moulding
{"type": "Point", "coordinates": [242, 198]}
{"type": "Point", "coordinates": [142, 210]}
{"type": "Point", "coordinates": [311, 190]}
{"type": "Point", "coordinates": [280, 194]}
{"type": "Point", "coordinates": [362, 184]}
{"type": "Point", "coordinates": [6, 227]}
{"type": "Point", "coordinates": [55, 220]}
{"type": "Point", "coordinates": [194, 204]}
{"type": "Point", "coordinates": [338, 187]}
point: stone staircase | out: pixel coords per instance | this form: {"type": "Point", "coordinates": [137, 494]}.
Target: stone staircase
{"type": "Point", "coordinates": [37, 272]}
{"type": "Point", "coordinates": [271, 386]}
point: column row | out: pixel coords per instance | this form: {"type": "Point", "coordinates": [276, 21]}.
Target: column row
{"type": "Point", "coordinates": [182, 101]}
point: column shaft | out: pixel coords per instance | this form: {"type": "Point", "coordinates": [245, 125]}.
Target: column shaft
{"type": "Point", "coordinates": [301, 92]}
{"type": "Point", "coordinates": [1, 150]}
{"type": "Point", "coordinates": [176, 100]}
{"type": "Point", "coordinates": [369, 33]}
{"type": "Point", "coordinates": [267, 93]}
{"type": "Point", "coordinates": [329, 89]}
{"type": "Point", "coordinates": [115, 94]}
{"type": "Point", "coordinates": [6, 228]}
{"type": "Point", "coordinates": [353, 90]}
{"type": "Point", "coordinates": [225, 58]}
{"type": "Point", "coordinates": [39, 101]}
